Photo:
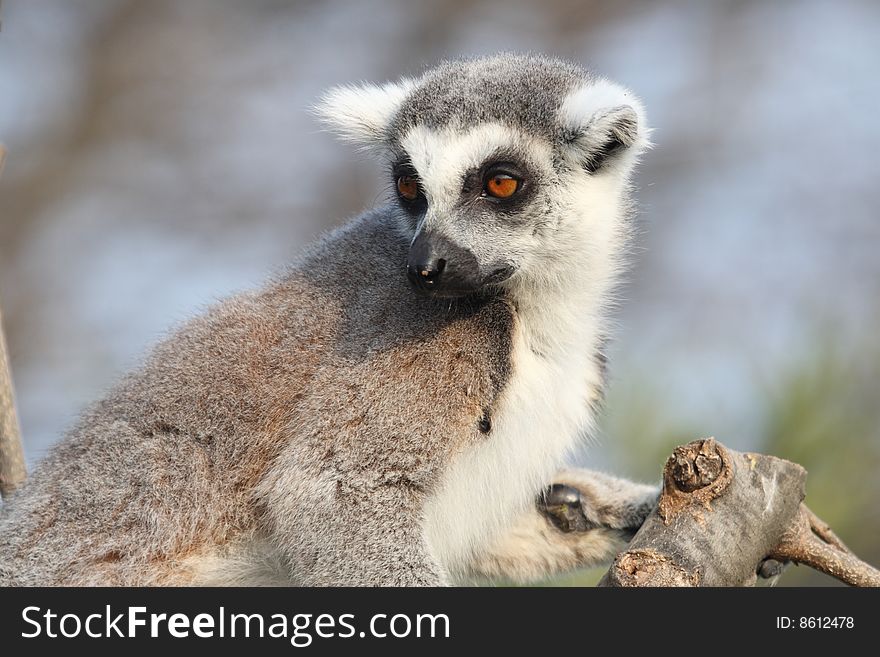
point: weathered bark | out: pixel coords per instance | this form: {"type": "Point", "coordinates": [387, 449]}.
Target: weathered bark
{"type": "Point", "coordinates": [12, 467]}
{"type": "Point", "coordinates": [723, 517]}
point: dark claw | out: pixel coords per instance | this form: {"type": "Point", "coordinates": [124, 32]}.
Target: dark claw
{"type": "Point", "coordinates": [561, 505]}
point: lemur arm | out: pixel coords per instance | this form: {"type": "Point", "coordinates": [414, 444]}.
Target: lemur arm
{"type": "Point", "coordinates": [583, 519]}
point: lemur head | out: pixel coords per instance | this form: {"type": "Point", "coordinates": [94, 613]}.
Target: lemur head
{"type": "Point", "coordinates": [506, 170]}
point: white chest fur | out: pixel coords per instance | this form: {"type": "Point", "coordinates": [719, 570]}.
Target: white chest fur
{"type": "Point", "coordinates": [540, 416]}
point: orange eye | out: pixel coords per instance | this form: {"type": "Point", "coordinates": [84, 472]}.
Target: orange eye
{"type": "Point", "coordinates": [408, 187]}
{"type": "Point", "coordinates": [501, 185]}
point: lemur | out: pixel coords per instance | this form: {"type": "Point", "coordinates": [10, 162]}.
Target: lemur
{"type": "Point", "coordinates": [398, 406]}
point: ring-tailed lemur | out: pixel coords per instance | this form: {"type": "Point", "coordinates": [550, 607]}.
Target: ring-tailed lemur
{"type": "Point", "coordinates": [388, 410]}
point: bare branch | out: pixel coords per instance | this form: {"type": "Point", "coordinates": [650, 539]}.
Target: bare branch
{"type": "Point", "coordinates": [724, 517]}
{"type": "Point", "coordinates": [811, 542]}
{"type": "Point", "coordinates": [12, 466]}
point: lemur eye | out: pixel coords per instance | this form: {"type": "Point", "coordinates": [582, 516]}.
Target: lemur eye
{"type": "Point", "coordinates": [408, 187]}
{"type": "Point", "coordinates": [502, 185]}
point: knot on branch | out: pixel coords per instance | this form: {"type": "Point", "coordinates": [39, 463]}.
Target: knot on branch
{"type": "Point", "coordinates": [695, 473]}
{"type": "Point", "coordinates": [696, 465]}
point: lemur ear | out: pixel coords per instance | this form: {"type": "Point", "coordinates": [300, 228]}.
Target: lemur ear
{"type": "Point", "coordinates": [362, 113]}
{"type": "Point", "coordinates": [604, 123]}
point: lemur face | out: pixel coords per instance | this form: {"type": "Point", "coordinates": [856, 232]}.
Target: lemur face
{"type": "Point", "coordinates": [497, 165]}
{"type": "Point", "coordinates": [474, 200]}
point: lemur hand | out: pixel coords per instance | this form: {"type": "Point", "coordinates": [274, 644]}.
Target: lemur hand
{"type": "Point", "coordinates": [582, 500]}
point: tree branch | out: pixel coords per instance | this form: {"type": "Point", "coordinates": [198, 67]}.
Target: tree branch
{"type": "Point", "coordinates": [811, 542]}
{"type": "Point", "coordinates": [723, 517]}
{"type": "Point", "coordinates": [12, 466]}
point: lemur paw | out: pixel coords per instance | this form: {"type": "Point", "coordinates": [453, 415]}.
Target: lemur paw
{"type": "Point", "coordinates": [563, 506]}
{"type": "Point", "coordinates": [592, 500]}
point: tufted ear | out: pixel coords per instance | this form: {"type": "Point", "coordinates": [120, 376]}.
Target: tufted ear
{"type": "Point", "coordinates": [604, 123]}
{"type": "Point", "coordinates": [362, 113]}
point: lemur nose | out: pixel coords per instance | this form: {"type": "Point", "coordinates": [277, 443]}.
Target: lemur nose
{"type": "Point", "coordinates": [426, 262]}
{"type": "Point", "coordinates": [427, 273]}
{"type": "Point", "coordinates": [438, 266]}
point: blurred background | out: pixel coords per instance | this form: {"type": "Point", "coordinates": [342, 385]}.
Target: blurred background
{"type": "Point", "coordinates": [161, 156]}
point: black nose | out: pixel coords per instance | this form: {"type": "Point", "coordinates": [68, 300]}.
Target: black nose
{"type": "Point", "coordinates": [426, 274]}
{"type": "Point", "coordinates": [438, 266]}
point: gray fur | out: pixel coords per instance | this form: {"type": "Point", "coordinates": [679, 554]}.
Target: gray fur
{"type": "Point", "coordinates": [523, 90]}
{"type": "Point", "coordinates": [312, 409]}
{"type": "Point", "coordinates": [293, 434]}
